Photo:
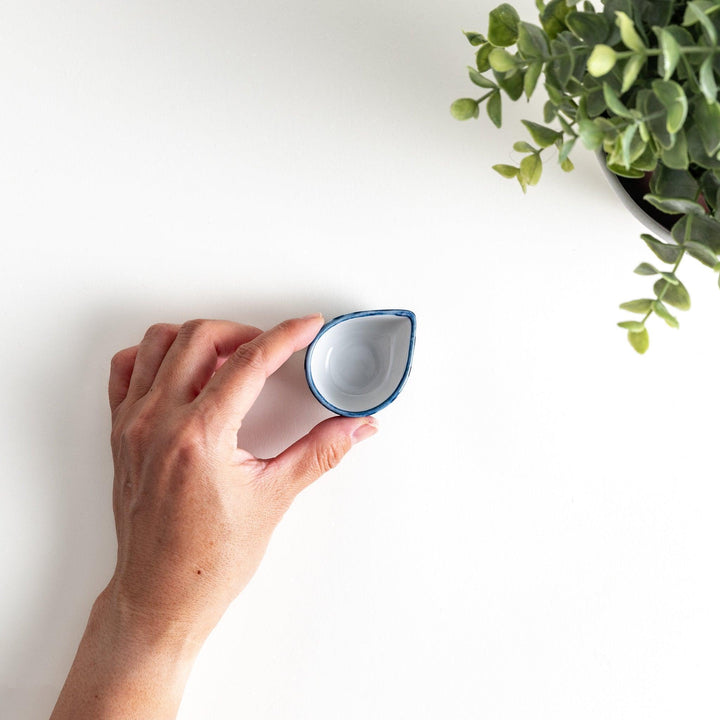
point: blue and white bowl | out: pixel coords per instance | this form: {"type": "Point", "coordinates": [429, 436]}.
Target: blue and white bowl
{"type": "Point", "coordinates": [359, 362]}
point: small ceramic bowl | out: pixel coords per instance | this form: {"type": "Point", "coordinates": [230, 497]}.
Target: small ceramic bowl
{"type": "Point", "coordinates": [359, 362]}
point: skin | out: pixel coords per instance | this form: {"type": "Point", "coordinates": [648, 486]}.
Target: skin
{"type": "Point", "coordinates": [193, 512]}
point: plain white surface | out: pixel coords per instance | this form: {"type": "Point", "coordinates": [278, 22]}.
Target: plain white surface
{"type": "Point", "coordinates": [532, 534]}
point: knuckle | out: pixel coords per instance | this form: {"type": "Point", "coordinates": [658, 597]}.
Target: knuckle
{"type": "Point", "coordinates": [251, 355]}
{"type": "Point", "coordinates": [329, 456]}
{"type": "Point", "coordinates": [159, 331]}
{"type": "Point", "coordinates": [194, 329]}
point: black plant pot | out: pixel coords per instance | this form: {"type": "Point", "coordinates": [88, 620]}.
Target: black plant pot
{"type": "Point", "coordinates": [631, 193]}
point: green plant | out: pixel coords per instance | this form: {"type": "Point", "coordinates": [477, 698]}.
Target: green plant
{"type": "Point", "coordinates": [638, 80]}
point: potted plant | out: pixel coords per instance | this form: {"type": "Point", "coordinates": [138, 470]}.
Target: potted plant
{"type": "Point", "coordinates": [637, 82]}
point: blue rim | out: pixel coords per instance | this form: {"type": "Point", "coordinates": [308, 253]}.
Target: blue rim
{"type": "Point", "coordinates": [342, 318]}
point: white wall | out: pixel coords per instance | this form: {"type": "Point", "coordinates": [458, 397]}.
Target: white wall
{"type": "Point", "coordinates": [532, 534]}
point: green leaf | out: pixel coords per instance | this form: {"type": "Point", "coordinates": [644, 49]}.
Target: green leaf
{"type": "Point", "coordinates": [627, 138]}
{"type": "Point", "coordinates": [675, 206]}
{"type": "Point", "coordinates": [662, 312]}
{"type": "Point", "coordinates": [480, 80]}
{"type": "Point", "coordinates": [474, 38]}
{"type": "Point", "coordinates": [677, 156]}
{"type": "Point", "coordinates": [667, 253]}
{"type": "Point", "coordinates": [669, 53]}
{"type": "Point", "coordinates": [531, 169]}
{"type": "Point", "coordinates": [614, 103]}
{"type": "Point", "coordinates": [507, 171]}
{"type": "Point", "coordinates": [655, 116]}
{"type": "Point", "coordinates": [511, 82]}
{"type": "Point", "coordinates": [707, 80]}
{"type": "Point", "coordinates": [638, 306]}
{"type": "Point", "coordinates": [634, 326]}
{"type": "Point", "coordinates": [591, 135]}
{"type": "Point", "coordinates": [494, 109]}
{"type": "Point", "coordinates": [674, 183]}
{"type": "Point", "coordinates": [702, 253]}
{"type": "Point", "coordinates": [708, 124]}
{"type": "Point", "coordinates": [591, 28]}
{"type": "Point", "coordinates": [645, 269]}
{"type": "Point", "coordinates": [464, 109]}
{"type": "Point", "coordinates": [501, 60]}
{"type": "Point", "coordinates": [530, 80]}
{"type": "Point", "coordinates": [693, 14]}
{"type": "Point", "coordinates": [543, 136]}
{"type": "Point", "coordinates": [532, 42]}
{"type": "Point", "coordinates": [632, 69]}
{"type": "Point", "coordinates": [628, 33]}
{"type": "Point", "coordinates": [625, 172]}
{"type": "Point", "coordinates": [640, 341]}
{"type": "Point", "coordinates": [601, 61]}
{"type": "Point", "coordinates": [697, 228]}
{"type": "Point", "coordinates": [482, 57]}
{"type": "Point", "coordinates": [673, 98]}
{"type": "Point", "coordinates": [564, 62]}
{"type": "Point", "coordinates": [566, 149]}
{"type": "Point", "coordinates": [696, 144]}
{"type": "Point", "coordinates": [524, 147]}
{"type": "Point", "coordinates": [503, 26]}
{"type": "Point", "coordinates": [675, 295]}
{"type": "Point", "coordinates": [554, 15]}
{"type": "Point", "coordinates": [567, 165]}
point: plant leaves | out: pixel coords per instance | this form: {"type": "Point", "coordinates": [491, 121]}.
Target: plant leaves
{"type": "Point", "coordinates": [464, 109]}
{"type": "Point", "coordinates": [632, 69]}
{"type": "Point", "coordinates": [628, 33]}
{"type": "Point", "coordinates": [494, 109]}
{"type": "Point", "coordinates": [633, 326]}
{"type": "Point", "coordinates": [501, 60]}
{"type": "Point", "coordinates": [675, 206]}
{"type": "Point", "coordinates": [673, 98]}
{"type": "Point", "coordinates": [638, 306]}
{"type": "Point", "coordinates": [662, 312]}
{"type": "Point", "coordinates": [640, 341]}
{"type": "Point", "coordinates": [667, 253]}
{"type": "Point", "coordinates": [708, 124]}
{"type": "Point", "coordinates": [614, 103]}
{"type": "Point", "coordinates": [702, 253]}
{"type": "Point", "coordinates": [645, 269]}
{"type": "Point", "coordinates": [532, 75]}
{"type": "Point", "coordinates": [698, 228]}
{"type": "Point", "coordinates": [601, 61]}
{"type": "Point", "coordinates": [694, 13]}
{"type": "Point", "coordinates": [503, 26]}
{"type": "Point", "coordinates": [474, 38]}
{"type": "Point", "coordinates": [669, 53]}
{"type": "Point", "coordinates": [543, 136]}
{"type": "Point", "coordinates": [591, 135]}
{"type": "Point", "coordinates": [507, 171]}
{"type": "Point", "coordinates": [675, 295]}
{"type": "Point", "coordinates": [590, 27]}
{"type": "Point", "coordinates": [480, 80]}
{"type": "Point", "coordinates": [707, 80]}
{"type": "Point", "coordinates": [532, 42]}
{"type": "Point", "coordinates": [531, 169]}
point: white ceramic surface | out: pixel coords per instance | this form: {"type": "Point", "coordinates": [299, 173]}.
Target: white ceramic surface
{"type": "Point", "coordinates": [359, 362]}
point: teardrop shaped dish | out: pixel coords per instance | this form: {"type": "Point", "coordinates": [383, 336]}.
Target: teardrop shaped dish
{"type": "Point", "coordinates": [358, 363]}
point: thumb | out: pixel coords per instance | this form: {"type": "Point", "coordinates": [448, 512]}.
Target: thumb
{"type": "Point", "coordinates": [320, 450]}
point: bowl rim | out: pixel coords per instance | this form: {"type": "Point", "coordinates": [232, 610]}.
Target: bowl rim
{"type": "Point", "coordinates": [409, 314]}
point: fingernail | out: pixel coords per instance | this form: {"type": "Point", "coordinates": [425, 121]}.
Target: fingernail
{"type": "Point", "coordinates": [366, 430]}
{"type": "Point", "coordinates": [313, 316]}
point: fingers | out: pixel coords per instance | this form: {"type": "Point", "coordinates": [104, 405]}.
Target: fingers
{"type": "Point", "coordinates": [319, 451]}
{"type": "Point", "coordinates": [194, 356]}
{"type": "Point", "coordinates": [234, 388]}
{"type": "Point", "coordinates": [121, 368]}
{"type": "Point", "coordinates": [150, 354]}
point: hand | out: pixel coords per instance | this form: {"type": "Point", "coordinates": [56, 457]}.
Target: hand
{"type": "Point", "coordinates": [194, 513]}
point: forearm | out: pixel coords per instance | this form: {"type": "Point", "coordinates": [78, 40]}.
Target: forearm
{"type": "Point", "coordinates": [123, 672]}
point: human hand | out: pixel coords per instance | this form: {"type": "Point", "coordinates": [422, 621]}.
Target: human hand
{"type": "Point", "coordinates": [193, 512]}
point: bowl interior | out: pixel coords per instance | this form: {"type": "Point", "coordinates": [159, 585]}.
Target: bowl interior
{"type": "Point", "coordinates": [358, 363]}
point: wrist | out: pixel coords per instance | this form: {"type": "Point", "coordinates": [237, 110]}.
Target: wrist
{"type": "Point", "coordinates": [125, 667]}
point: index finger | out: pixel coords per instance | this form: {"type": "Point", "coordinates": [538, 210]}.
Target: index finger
{"type": "Point", "coordinates": [233, 389]}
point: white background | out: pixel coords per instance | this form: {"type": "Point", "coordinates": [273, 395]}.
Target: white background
{"type": "Point", "coordinates": [532, 534]}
